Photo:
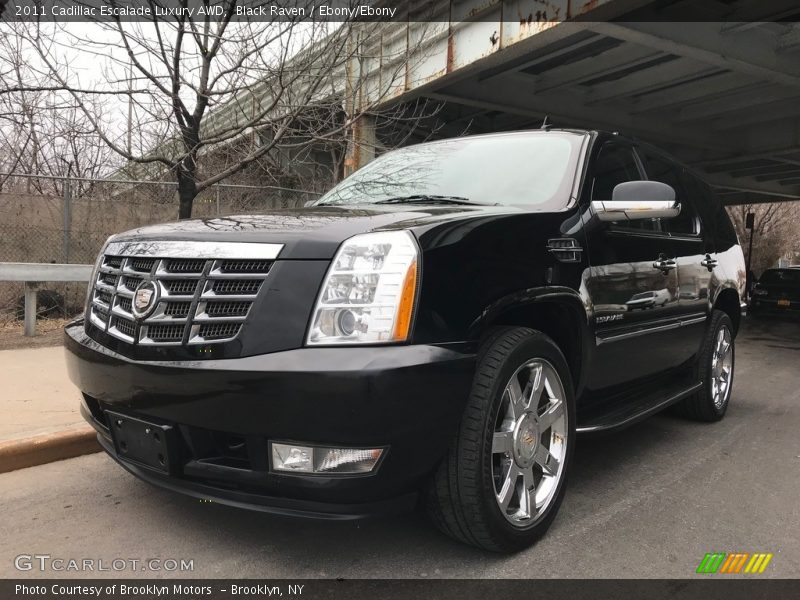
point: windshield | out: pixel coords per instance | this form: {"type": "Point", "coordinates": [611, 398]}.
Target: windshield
{"type": "Point", "coordinates": [780, 276]}
{"type": "Point", "coordinates": [531, 169]}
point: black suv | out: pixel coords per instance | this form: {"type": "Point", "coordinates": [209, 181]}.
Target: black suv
{"type": "Point", "coordinates": [445, 320]}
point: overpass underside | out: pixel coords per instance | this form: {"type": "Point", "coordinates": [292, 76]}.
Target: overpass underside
{"type": "Point", "coordinates": [724, 97]}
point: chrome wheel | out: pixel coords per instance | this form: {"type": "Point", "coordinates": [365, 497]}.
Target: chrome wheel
{"type": "Point", "coordinates": [721, 367]}
{"type": "Point", "coordinates": [530, 442]}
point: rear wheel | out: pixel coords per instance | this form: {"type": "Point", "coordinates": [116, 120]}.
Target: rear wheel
{"type": "Point", "coordinates": [715, 367]}
{"type": "Point", "coordinates": [503, 479]}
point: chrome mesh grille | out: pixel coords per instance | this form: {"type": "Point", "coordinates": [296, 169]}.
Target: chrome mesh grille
{"type": "Point", "coordinates": [245, 266]}
{"type": "Point", "coordinates": [211, 331]}
{"type": "Point", "coordinates": [109, 279]}
{"type": "Point", "coordinates": [124, 326]}
{"type": "Point", "coordinates": [231, 309]}
{"type": "Point", "coordinates": [236, 286]}
{"type": "Point", "coordinates": [177, 309]}
{"type": "Point", "coordinates": [181, 287]}
{"type": "Point", "coordinates": [131, 283]}
{"type": "Point", "coordinates": [103, 297]}
{"type": "Point", "coordinates": [199, 300]}
{"type": "Point", "coordinates": [164, 333]}
{"type": "Point", "coordinates": [142, 265]}
{"type": "Point", "coordinates": [182, 265]}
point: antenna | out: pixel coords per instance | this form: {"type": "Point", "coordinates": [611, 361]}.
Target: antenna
{"type": "Point", "coordinates": [545, 125]}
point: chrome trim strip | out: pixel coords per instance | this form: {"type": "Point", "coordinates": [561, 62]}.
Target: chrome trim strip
{"type": "Point", "coordinates": [599, 340]}
{"type": "Point", "coordinates": [198, 250]}
{"type": "Point", "coordinates": [693, 321]}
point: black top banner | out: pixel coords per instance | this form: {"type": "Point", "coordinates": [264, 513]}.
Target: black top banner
{"type": "Point", "coordinates": [395, 11]}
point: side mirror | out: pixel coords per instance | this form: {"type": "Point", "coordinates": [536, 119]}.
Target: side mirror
{"type": "Point", "coordinates": [634, 200]}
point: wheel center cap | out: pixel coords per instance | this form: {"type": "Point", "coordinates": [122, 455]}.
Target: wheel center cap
{"type": "Point", "coordinates": [526, 439]}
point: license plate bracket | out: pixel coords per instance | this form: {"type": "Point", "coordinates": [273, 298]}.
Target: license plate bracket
{"type": "Point", "coordinates": [143, 442]}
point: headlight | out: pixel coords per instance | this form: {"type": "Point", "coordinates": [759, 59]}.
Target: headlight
{"type": "Point", "coordinates": [368, 294]}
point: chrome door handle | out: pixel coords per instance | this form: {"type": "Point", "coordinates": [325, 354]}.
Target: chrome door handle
{"type": "Point", "coordinates": [665, 264]}
{"type": "Point", "coordinates": [709, 263]}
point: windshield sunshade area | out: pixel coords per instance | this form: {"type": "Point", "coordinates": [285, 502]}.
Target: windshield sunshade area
{"type": "Point", "coordinates": [781, 276]}
{"type": "Point", "coordinates": [532, 169]}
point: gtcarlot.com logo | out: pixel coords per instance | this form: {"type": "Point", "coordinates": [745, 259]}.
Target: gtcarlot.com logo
{"type": "Point", "coordinates": [46, 562]}
{"type": "Point", "coordinates": [733, 563]}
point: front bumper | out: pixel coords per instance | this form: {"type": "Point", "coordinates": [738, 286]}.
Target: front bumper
{"type": "Point", "coordinates": [408, 399]}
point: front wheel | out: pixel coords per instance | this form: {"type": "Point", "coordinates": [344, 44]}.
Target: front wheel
{"type": "Point", "coordinates": [504, 477]}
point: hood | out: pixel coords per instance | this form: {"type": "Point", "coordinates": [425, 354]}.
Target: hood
{"type": "Point", "coordinates": [313, 233]}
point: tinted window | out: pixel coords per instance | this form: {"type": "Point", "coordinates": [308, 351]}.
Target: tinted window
{"type": "Point", "coordinates": [532, 169]}
{"type": "Point", "coordinates": [616, 164]}
{"type": "Point", "coordinates": [776, 276]}
{"type": "Point", "coordinates": [712, 212]}
{"type": "Point", "coordinates": [662, 170]}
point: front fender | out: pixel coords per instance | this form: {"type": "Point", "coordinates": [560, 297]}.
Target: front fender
{"type": "Point", "coordinates": [521, 308]}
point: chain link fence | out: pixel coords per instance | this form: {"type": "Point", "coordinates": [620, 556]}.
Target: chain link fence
{"type": "Point", "coordinates": [49, 219]}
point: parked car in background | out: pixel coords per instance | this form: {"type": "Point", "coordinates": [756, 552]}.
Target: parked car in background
{"type": "Point", "coordinates": [650, 299]}
{"type": "Point", "coordinates": [439, 325]}
{"type": "Point", "coordinates": [776, 292]}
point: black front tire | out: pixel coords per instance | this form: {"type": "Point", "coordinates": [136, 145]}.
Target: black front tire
{"type": "Point", "coordinates": [462, 498]}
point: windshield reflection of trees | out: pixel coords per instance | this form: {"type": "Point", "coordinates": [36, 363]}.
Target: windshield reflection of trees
{"type": "Point", "coordinates": [528, 170]}
{"type": "Point", "coordinates": [396, 174]}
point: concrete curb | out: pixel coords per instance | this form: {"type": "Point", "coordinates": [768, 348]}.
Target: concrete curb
{"type": "Point", "coordinates": [50, 447]}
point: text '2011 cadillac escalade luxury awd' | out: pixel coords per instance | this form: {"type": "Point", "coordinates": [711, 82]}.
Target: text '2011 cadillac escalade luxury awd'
{"type": "Point", "coordinates": [443, 321]}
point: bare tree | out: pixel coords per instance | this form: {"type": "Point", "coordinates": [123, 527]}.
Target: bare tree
{"type": "Point", "coordinates": [42, 133]}
{"type": "Point", "coordinates": [208, 97]}
{"type": "Point", "coordinates": [775, 233]}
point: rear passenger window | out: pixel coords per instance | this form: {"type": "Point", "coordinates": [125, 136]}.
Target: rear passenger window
{"type": "Point", "coordinates": [659, 169]}
{"type": "Point", "coordinates": [616, 164]}
{"type": "Point", "coordinates": [712, 212]}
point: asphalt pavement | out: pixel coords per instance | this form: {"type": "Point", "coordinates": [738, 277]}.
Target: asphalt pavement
{"type": "Point", "coordinates": [647, 502]}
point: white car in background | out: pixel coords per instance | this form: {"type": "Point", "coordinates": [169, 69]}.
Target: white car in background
{"type": "Point", "coordinates": [651, 299]}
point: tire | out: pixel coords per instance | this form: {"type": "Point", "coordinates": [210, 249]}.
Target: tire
{"type": "Point", "coordinates": [715, 364]}
{"type": "Point", "coordinates": [504, 446]}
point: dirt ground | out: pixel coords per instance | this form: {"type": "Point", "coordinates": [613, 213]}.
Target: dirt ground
{"type": "Point", "coordinates": [49, 332]}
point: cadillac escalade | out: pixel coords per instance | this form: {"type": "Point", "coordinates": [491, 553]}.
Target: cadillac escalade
{"type": "Point", "coordinates": [438, 327]}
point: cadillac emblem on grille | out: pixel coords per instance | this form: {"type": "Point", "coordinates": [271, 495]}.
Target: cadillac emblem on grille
{"type": "Point", "coordinates": [145, 299]}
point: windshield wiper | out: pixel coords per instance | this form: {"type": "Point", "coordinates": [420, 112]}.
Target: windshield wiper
{"type": "Point", "coordinates": [431, 199]}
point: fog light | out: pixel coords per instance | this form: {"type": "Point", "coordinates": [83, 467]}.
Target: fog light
{"type": "Point", "coordinates": [293, 458]}
{"type": "Point", "coordinates": [309, 459]}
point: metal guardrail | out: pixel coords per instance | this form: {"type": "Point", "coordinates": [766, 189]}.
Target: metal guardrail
{"type": "Point", "coordinates": [33, 274]}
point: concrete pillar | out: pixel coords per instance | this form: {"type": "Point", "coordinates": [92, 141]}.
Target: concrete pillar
{"type": "Point", "coordinates": [30, 308]}
{"type": "Point", "coordinates": [361, 145]}
{"type": "Point", "coordinates": [67, 215]}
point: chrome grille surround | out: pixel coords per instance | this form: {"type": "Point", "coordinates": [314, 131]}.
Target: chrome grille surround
{"type": "Point", "coordinates": [206, 290]}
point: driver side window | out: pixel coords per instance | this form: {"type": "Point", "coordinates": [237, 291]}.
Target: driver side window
{"type": "Point", "coordinates": [616, 164]}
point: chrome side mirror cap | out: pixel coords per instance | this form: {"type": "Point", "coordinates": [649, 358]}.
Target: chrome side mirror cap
{"type": "Point", "coordinates": [634, 200]}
